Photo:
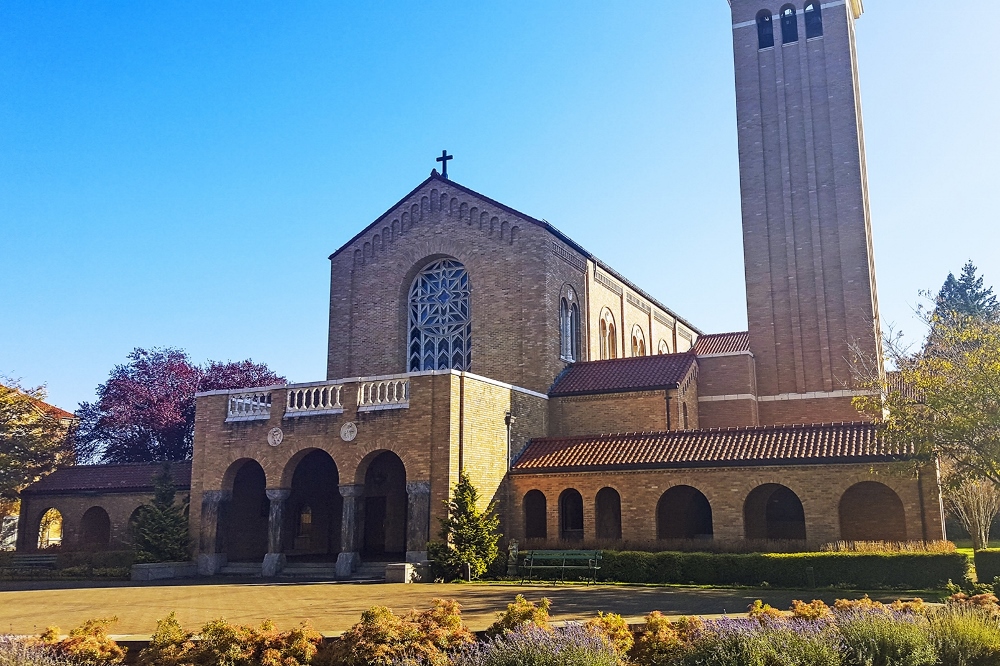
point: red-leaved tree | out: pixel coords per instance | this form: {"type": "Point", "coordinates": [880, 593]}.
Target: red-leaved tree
{"type": "Point", "coordinates": [145, 411]}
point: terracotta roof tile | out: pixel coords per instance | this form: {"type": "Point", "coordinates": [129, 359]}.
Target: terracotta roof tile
{"type": "Point", "coordinates": [731, 447]}
{"type": "Point", "coordinates": [109, 478]}
{"type": "Point", "coordinates": [722, 343]}
{"type": "Point", "coordinates": [640, 373]}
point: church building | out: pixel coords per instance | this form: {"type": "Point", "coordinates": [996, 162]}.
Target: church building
{"type": "Point", "coordinates": [468, 336]}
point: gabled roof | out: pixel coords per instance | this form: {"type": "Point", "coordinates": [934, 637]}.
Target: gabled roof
{"type": "Point", "coordinates": [622, 375]}
{"type": "Point", "coordinates": [720, 344]}
{"type": "Point", "coordinates": [135, 477]}
{"type": "Point", "coordinates": [732, 447]}
{"type": "Point", "coordinates": [435, 176]}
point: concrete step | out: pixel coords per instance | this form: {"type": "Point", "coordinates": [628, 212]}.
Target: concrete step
{"type": "Point", "coordinates": [313, 570]}
{"type": "Point", "coordinates": [248, 569]}
{"type": "Point", "coordinates": [370, 571]}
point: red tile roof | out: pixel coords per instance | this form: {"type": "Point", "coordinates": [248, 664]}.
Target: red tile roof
{"type": "Point", "coordinates": [722, 343]}
{"type": "Point", "coordinates": [640, 373]}
{"type": "Point", "coordinates": [109, 478]}
{"type": "Point", "coordinates": [730, 447]}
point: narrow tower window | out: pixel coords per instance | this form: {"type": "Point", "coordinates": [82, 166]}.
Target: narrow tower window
{"type": "Point", "coordinates": [765, 31]}
{"type": "Point", "coordinates": [609, 340]}
{"type": "Point", "coordinates": [569, 327]}
{"type": "Point", "coordinates": [789, 25]}
{"type": "Point", "coordinates": [814, 20]}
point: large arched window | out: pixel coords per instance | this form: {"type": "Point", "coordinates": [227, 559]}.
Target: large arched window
{"type": "Point", "coordinates": [569, 327]}
{"type": "Point", "coordinates": [664, 347]}
{"type": "Point", "coordinates": [440, 318]}
{"type": "Point", "coordinates": [638, 341]}
{"type": "Point", "coordinates": [814, 20]}
{"type": "Point", "coordinates": [609, 340]}
{"type": "Point", "coordinates": [789, 25]}
{"type": "Point", "coordinates": [765, 29]}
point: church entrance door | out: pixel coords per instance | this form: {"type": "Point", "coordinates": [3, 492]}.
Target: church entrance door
{"type": "Point", "coordinates": [315, 509]}
{"type": "Point", "coordinates": [385, 508]}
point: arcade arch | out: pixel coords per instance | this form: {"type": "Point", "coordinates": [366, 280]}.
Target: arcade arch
{"type": "Point", "coordinates": [872, 511]}
{"type": "Point", "coordinates": [773, 512]}
{"type": "Point", "coordinates": [683, 512]}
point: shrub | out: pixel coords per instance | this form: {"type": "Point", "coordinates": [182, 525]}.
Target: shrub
{"type": "Point", "coordinates": [732, 642]}
{"type": "Point", "coordinates": [520, 613]}
{"type": "Point", "coordinates": [225, 644]}
{"type": "Point", "coordinates": [468, 534]}
{"type": "Point", "coordinates": [161, 527]}
{"type": "Point", "coordinates": [889, 547]}
{"type": "Point", "coordinates": [15, 652]}
{"type": "Point", "coordinates": [660, 641]}
{"type": "Point", "coordinates": [858, 570]}
{"type": "Point", "coordinates": [613, 629]}
{"type": "Point", "coordinates": [883, 638]}
{"type": "Point", "coordinates": [169, 645]}
{"type": "Point", "coordinates": [966, 636]}
{"type": "Point", "coordinates": [987, 601]}
{"type": "Point", "coordinates": [533, 646]}
{"type": "Point", "coordinates": [762, 612]}
{"type": "Point", "coordinates": [987, 564]}
{"type": "Point", "coordinates": [383, 638]}
{"type": "Point", "coordinates": [814, 610]}
{"type": "Point", "coordinates": [87, 644]}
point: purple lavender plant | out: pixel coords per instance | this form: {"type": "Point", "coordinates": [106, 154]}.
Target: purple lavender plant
{"type": "Point", "coordinates": [531, 646]}
{"type": "Point", "coordinates": [18, 652]}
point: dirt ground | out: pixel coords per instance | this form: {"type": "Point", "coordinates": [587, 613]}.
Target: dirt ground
{"type": "Point", "coordinates": [29, 608]}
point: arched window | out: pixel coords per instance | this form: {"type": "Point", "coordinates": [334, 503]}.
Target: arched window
{"type": "Point", "coordinates": [440, 318]}
{"type": "Point", "coordinates": [571, 515]}
{"type": "Point", "coordinates": [663, 348]}
{"type": "Point", "coordinates": [609, 340]}
{"type": "Point", "coordinates": [765, 29]}
{"type": "Point", "coordinates": [608, 514]}
{"type": "Point", "coordinates": [789, 25]}
{"type": "Point", "coordinates": [569, 327]}
{"type": "Point", "coordinates": [638, 341]}
{"type": "Point", "coordinates": [814, 20]}
{"type": "Point", "coordinates": [534, 515]}
{"type": "Point", "coordinates": [50, 529]}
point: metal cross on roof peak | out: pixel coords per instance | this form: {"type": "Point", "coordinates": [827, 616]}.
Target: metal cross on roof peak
{"type": "Point", "coordinates": [444, 162]}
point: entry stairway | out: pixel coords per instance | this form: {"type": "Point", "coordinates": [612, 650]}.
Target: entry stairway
{"type": "Point", "coordinates": [373, 572]}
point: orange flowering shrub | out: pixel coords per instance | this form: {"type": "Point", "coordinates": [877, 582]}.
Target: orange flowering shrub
{"type": "Point", "coordinates": [87, 644]}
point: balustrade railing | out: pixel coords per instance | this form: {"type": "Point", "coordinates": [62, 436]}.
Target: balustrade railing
{"type": "Point", "coordinates": [249, 406]}
{"type": "Point", "coordinates": [383, 394]}
{"type": "Point", "coordinates": [313, 399]}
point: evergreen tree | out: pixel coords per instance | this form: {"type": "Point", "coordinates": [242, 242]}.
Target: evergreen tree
{"type": "Point", "coordinates": [161, 528]}
{"type": "Point", "coordinates": [468, 535]}
{"type": "Point", "coordinates": [965, 297]}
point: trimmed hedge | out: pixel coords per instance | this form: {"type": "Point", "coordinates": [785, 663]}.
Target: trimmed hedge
{"type": "Point", "coordinates": [915, 571]}
{"type": "Point", "coordinates": [987, 564]}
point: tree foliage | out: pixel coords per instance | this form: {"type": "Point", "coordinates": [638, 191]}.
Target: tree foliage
{"type": "Point", "coordinates": [944, 399]}
{"type": "Point", "coordinates": [145, 411]}
{"type": "Point", "coordinates": [966, 297]}
{"type": "Point", "coordinates": [160, 531]}
{"type": "Point", "coordinates": [33, 441]}
{"type": "Point", "coordinates": [468, 534]}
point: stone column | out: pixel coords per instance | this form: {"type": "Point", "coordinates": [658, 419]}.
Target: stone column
{"type": "Point", "coordinates": [418, 520]}
{"type": "Point", "coordinates": [274, 561]}
{"type": "Point", "coordinates": [350, 539]}
{"type": "Point", "coordinates": [214, 505]}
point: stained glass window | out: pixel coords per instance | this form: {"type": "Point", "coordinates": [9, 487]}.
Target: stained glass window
{"type": "Point", "coordinates": [440, 320]}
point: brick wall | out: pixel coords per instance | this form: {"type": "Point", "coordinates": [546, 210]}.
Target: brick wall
{"type": "Point", "coordinates": [726, 490]}
{"type": "Point", "coordinates": [608, 413]}
{"type": "Point", "coordinates": [72, 506]}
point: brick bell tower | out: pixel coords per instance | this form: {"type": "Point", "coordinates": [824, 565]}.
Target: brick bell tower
{"type": "Point", "coordinates": [810, 271]}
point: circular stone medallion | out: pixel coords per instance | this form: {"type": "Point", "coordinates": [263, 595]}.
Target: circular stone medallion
{"type": "Point", "coordinates": [348, 431]}
{"type": "Point", "coordinates": [274, 436]}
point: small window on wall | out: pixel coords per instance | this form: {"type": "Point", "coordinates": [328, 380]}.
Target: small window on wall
{"type": "Point", "coordinates": [765, 30]}
{"type": "Point", "coordinates": [638, 341]}
{"type": "Point", "coordinates": [789, 25]}
{"type": "Point", "coordinates": [814, 20]}
{"type": "Point", "coordinates": [609, 341]}
{"type": "Point", "coordinates": [663, 347]}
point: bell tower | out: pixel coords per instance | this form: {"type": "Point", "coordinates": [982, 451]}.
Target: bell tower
{"type": "Point", "coordinates": [810, 270]}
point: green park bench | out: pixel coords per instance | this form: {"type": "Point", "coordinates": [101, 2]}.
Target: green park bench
{"type": "Point", "coordinates": [31, 561]}
{"type": "Point", "coordinates": [559, 562]}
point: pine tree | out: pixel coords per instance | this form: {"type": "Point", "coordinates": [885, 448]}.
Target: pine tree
{"type": "Point", "coordinates": [965, 297]}
{"type": "Point", "coordinates": [468, 535]}
{"type": "Point", "coordinates": [161, 528]}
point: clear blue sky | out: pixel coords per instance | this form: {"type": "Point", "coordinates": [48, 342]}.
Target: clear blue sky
{"type": "Point", "coordinates": [177, 173]}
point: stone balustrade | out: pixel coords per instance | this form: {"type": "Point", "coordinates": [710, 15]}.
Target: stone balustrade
{"type": "Point", "coordinates": [311, 400]}
{"type": "Point", "coordinates": [383, 394]}
{"type": "Point", "coordinates": [249, 406]}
